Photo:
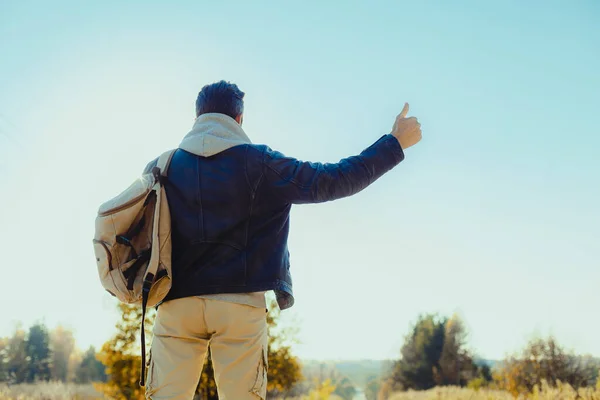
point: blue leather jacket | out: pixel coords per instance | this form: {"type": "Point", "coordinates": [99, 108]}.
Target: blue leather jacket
{"type": "Point", "coordinates": [230, 213]}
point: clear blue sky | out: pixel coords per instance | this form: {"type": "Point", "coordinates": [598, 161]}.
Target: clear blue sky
{"type": "Point", "coordinates": [495, 215]}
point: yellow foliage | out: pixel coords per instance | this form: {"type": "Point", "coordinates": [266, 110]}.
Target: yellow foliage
{"type": "Point", "coordinates": [477, 383]}
{"type": "Point", "coordinates": [124, 373]}
{"type": "Point", "coordinates": [323, 391]}
{"type": "Point", "coordinates": [120, 356]}
{"type": "Point", "coordinates": [510, 378]}
{"type": "Point", "coordinates": [544, 363]}
{"type": "Point", "coordinates": [284, 368]}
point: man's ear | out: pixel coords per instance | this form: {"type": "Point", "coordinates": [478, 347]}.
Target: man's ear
{"type": "Point", "coordinates": [240, 119]}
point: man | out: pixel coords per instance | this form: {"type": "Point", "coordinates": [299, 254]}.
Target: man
{"type": "Point", "coordinates": [230, 202]}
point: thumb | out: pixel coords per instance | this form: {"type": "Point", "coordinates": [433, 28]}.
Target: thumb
{"type": "Point", "coordinates": [404, 111]}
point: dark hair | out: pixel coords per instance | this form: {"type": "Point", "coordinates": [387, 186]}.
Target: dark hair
{"type": "Point", "coordinates": [220, 97]}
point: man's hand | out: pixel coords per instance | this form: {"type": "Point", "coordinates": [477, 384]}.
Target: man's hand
{"type": "Point", "coordinates": [406, 130]}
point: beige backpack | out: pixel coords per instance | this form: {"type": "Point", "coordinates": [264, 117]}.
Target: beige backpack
{"type": "Point", "coordinates": [132, 243]}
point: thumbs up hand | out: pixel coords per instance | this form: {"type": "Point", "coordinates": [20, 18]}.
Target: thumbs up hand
{"type": "Point", "coordinates": [406, 130]}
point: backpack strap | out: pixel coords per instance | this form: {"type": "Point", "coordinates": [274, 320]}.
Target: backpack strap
{"type": "Point", "coordinates": [162, 166]}
{"type": "Point", "coordinates": [160, 171]}
{"type": "Point", "coordinates": [164, 161]}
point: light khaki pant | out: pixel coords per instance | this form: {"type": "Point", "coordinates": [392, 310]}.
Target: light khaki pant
{"type": "Point", "coordinates": [183, 330]}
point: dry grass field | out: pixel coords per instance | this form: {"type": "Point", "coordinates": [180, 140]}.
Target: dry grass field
{"type": "Point", "coordinates": [563, 392]}
{"type": "Point", "coordinates": [60, 391]}
{"type": "Point", "coordinates": [48, 391]}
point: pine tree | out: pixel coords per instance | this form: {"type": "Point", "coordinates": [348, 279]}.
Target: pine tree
{"type": "Point", "coordinates": [90, 369]}
{"type": "Point", "coordinates": [421, 353]}
{"type": "Point", "coordinates": [38, 353]}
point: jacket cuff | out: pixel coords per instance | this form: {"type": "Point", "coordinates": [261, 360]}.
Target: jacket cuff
{"type": "Point", "coordinates": [392, 145]}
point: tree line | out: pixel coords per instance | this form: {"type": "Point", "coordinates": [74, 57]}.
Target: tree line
{"type": "Point", "coordinates": [436, 353]}
{"type": "Point", "coordinates": [40, 354]}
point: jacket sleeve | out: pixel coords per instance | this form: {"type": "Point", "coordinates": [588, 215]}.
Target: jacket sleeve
{"type": "Point", "coordinates": [150, 165]}
{"type": "Point", "coordinates": [299, 182]}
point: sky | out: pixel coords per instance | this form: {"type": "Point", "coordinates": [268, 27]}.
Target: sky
{"type": "Point", "coordinates": [494, 215]}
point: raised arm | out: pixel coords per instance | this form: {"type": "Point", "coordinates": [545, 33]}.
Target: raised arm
{"type": "Point", "coordinates": [295, 181]}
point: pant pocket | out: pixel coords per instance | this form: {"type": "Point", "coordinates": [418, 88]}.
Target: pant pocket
{"type": "Point", "coordinates": [260, 384]}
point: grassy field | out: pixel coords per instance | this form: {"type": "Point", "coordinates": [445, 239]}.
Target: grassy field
{"type": "Point", "coordinates": [60, 391]}
{"type": "Point", "coordinates": [562, 393]}
{"type": "Point", "coordinates": [48, 391]}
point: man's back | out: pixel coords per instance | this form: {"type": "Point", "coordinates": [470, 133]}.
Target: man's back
{"type": "Point", "coordinates": [230, 202]}
{"type": "Point", "coordinates": [229, 234]}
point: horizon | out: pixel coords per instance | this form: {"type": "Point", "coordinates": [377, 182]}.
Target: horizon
{"type": "Point", "coordinates": [494, 216]}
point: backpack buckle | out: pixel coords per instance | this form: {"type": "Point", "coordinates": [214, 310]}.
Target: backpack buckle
{"type": "Point", "coordinates": [156, 173]}
{"type": "Point", "coordinates": [148, 280]}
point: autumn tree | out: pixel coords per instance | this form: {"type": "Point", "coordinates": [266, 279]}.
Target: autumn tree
{"type": "Point", "coordinates": [455, 363]}
{"type": "Point", "coordinates": [386, 388]}
{"type": "Point", "coordinates": [284, 368]}
{"type": "Point", "coordinates": [16, 357]}
{"type": "Point", "coordinates": [62, 344]}
{"type": "Point", "coordinates": [545, 360]}
{"type": "Point", "coordinates": [323, 390]}
{"type": "Point", "coordinates": [121, 355]}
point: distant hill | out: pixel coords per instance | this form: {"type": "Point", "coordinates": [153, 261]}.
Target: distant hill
{"type": "Point", "coordinates": [357, 371]}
